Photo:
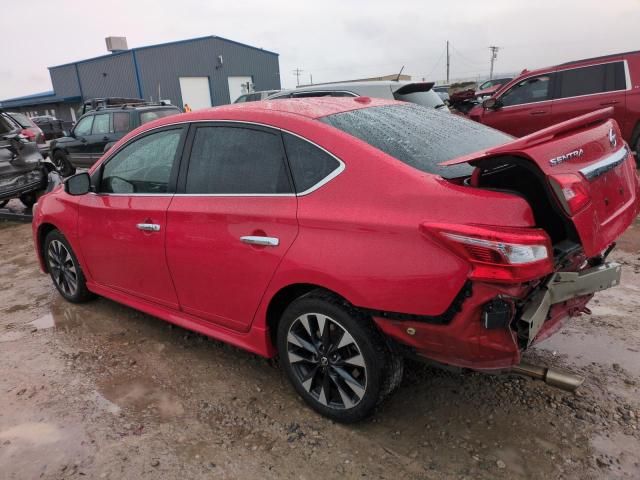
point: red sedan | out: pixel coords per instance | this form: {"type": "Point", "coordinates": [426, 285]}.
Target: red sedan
{"type": "Point", "coordinates": [343, 234]}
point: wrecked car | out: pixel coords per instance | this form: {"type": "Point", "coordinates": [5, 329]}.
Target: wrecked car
{"type": "Point", "coordinates": [344, 234]}
{"type": "Point", "coordinates": [22, 171]}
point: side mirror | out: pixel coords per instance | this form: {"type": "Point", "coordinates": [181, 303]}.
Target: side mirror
{"type": "Point", "coordinates": [78, 184]}
{"type": "Point", "coordinates": [491, 104]}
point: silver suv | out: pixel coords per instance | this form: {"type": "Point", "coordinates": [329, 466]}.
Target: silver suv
{"type": "Point", "coordinates": [420, 93]}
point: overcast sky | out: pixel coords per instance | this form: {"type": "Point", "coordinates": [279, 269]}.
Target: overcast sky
{"type": "Point", "coordinates": [332, 40]}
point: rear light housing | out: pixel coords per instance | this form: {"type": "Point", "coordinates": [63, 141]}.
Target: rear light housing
{"type": "Point", "coordinates": [29, 134]}
{"type": "Point", "coordinates": [497, 254]}
{"type": "Point", "coordinates": [572, 191]}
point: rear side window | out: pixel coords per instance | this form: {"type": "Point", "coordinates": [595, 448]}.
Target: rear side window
{"type": "Point", "coordinates": [236, 160]}
{"type": "Point", "coordinates": [23, 120]}
{"type": "Point", "coordinates": [590, 80]}
{"type": "Point", "coordinates": [419, 136]}
{"type": "Point", "coordinates": [120, 122]}
{"type": "Point", "coordinates": [309, 164]}
{"type": "Point", "coordinates": [149, 116]}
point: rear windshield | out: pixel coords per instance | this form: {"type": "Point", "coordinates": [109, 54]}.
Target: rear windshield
{"type": "Point", "coordinates": [149, 115]}
{"type": "Point", "coordinates": [418, 136]}
{"type": "Point", "coordinates": [427, 99]}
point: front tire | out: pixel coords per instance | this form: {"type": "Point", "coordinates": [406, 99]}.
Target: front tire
{"type": "Point", "coordinates": [336, 359]}
{"type": "Point", "coordinates": [64, 269]}
{"type": "Point", "coordinates": [62, 163]}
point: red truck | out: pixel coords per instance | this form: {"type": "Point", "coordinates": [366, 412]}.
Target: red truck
{"type": "Point", "coordinates": [540, 98]}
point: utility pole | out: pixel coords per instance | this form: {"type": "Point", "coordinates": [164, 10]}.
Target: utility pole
{"type": "Point", "coordinates": [297, 72]}
{"type": "Point", "coordinates": [494, 55]}
{"type": "Point", "coordinates": [447, 62]}
{"type": "Point", "coordinates": [311, 78]}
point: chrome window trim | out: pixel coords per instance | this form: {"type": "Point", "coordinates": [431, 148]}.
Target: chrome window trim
{"type": "Point", "coordinates": [312, 189]}
{"type": "Point", "coordinates": [627, 82]}
{"type": "Point", "coordinates": [612, 161]}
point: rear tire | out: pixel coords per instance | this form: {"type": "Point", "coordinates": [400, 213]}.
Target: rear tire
{"type": "Point", "coordinates": [336, 359]}
{"type": "Point", "coordinates": [64, 269]}
{"type": "Point", "coordinates": [62, 163]}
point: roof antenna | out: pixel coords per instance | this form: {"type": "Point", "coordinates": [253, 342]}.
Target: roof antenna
{"type": "Point", "coordinates": [399, 73]}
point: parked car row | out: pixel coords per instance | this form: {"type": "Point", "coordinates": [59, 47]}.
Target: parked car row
{"type": "Point", "coordinates": [23, 173]}
{"type": "Point", "coordinates": [343, 234]}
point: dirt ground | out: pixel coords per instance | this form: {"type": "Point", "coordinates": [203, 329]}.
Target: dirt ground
{"type": "Point", "coordinates": [102, 391]}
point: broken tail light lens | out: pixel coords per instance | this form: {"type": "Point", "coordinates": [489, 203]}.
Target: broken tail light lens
{"type": "Point", "coordinates": [572, 191]}
{"type": "Point", "coordinates": [497, 254]}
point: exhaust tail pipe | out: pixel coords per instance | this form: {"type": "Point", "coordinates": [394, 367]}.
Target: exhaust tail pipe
{"type": "Point", "coordinates": [551, 376]}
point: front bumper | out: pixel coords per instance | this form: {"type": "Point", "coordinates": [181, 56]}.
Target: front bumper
{"type": "Point", "coordinates": [565, 286]}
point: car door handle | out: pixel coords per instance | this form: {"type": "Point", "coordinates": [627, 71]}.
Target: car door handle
{"type": "Point", "coordinates": [608, 104]}
{"type": "Point", "coordinates": [263, 241]}
{"type": "Point", "coordinates": [148, 227]}
{"type": "Point", "coordinates": [105, 139]}
{"type": "Point", "coordinates": [538, 112]}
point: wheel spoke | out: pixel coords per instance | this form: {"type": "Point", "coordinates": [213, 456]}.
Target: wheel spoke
{"type": "Point", "coordinates": [357, 360]}
{"type": "Point", "coordinates": [345, 340]}
{"type": "Point", "coordinates": [351, 382]}
{"type": "Point", "coordinates": [300, 342]}
{"type": "Point", "coordinates": [295, 358]}
{"type": "Point", "coordinates": [308, 381]}
{"type": "Point", "coordinates": [346, 399]}
{"type": "Point", "coordinates": [304, 320]}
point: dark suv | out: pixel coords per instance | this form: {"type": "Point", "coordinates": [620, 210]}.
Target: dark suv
{"type": "Point", "coordinates": [97, 130]}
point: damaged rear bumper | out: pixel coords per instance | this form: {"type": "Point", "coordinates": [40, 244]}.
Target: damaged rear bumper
{"type": "Point", "coordinates": [562, 287]}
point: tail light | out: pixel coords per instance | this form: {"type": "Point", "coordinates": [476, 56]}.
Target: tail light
{"type": "Point", "coordinates": [29, 134]}
{"type": "Point", "coordinates": [497, 254]}
{"type": "Point", "coordinates": [572, 191]}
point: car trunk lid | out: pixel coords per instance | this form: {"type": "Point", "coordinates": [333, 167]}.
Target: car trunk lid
{"type": "Point", "coordinates": [589, 171]}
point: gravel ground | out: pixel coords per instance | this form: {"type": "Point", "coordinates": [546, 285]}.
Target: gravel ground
{"type": "Point", "coordinates": [102, 391]}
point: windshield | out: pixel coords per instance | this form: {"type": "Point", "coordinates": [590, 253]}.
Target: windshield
{"type": "Point", "coordinates": [418, 136]}
{"type": "Point", "coordinates": [426, 99]}
{"type": "Point", "coordinates": [150, 115]}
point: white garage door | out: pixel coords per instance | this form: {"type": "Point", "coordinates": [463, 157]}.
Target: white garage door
{"type": "Point", "coordinates": [239, 86]}
{"type": "Point", "coordinates": [195, 92]}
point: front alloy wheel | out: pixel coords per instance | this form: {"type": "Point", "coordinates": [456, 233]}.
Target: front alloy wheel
{"type": "Point", "coordinates": [63, 270]}
{"type": "Point", "coordinates": [327, 361]}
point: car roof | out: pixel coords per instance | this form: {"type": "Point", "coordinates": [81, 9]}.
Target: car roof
{"type": "Point", "coordinates": [309, 108]}
{"type": "Point", "coordinates": [361, 88]}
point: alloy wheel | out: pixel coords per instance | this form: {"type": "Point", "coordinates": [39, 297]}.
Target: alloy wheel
{"type": "Point", "coordinates": [62, 267]}
{"type": "Point", "coordinates": [327, 361]}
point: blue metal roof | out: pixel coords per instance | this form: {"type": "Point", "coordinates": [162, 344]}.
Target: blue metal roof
{"type": "Point", "coordinates": [177, 42]}
{"type": "Point", "coordinates": [37, 99]}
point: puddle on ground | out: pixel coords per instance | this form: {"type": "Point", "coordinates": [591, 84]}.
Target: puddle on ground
{"type": "Point", "coordinates": [35, 449]}
{"type": "Point", "coordinates": [44, 322]}
{"type": "Point", "coordinates": [141, 395]}
{"type": "Point", "coordinates": [583, 349]}
{"type": "Point", "coordinates": [11, 336]}
{"type": "Point", "coordinates": [623, 451]}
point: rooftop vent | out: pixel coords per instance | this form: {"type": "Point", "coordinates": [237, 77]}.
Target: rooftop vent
{"type": "Point", "coordinates": [116, 44]}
